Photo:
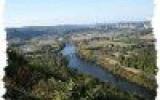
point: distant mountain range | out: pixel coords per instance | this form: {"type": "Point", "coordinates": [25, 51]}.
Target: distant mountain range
{"type": "Point", "coordinates": [33, 31]}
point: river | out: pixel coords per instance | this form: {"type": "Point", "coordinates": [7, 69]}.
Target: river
{"type": "Point", "coordinates": [93, 70]}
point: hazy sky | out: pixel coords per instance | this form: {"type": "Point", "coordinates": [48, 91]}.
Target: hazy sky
{"type": "Point", "coordinates": [53, 12]}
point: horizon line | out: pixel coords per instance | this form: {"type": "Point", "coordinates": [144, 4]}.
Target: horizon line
{"type": "Point", "coordinates": [80, 24]}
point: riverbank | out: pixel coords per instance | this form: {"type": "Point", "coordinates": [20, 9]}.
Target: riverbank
{"type": "Point", "coordinates": [94, 70]}
{"type": "Point", "coordinates": [130, 74]}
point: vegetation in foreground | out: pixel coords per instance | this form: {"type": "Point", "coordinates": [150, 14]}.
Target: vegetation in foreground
{"type": "Point", "coordinates": [43, 75]}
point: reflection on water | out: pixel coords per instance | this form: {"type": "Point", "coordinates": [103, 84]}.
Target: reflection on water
{"type": "Point", "coordinates": [98, 72]}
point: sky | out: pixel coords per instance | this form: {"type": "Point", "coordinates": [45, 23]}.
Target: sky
{"type": "Point", "coordinates": [55, 12]}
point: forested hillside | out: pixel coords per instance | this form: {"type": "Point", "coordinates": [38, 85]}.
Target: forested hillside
{"type": "Point", "coordinates": [44, 76]}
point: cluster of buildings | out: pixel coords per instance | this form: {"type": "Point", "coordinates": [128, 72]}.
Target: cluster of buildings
{"type": "Point", "coordinates": [121, 25]}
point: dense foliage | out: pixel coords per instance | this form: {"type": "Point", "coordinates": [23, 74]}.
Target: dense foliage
{"type": "Point", "coordinates": [46, 77]}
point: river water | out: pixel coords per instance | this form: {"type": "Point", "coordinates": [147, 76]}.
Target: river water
{"type": "Point", "coordinates": [91, 69]}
